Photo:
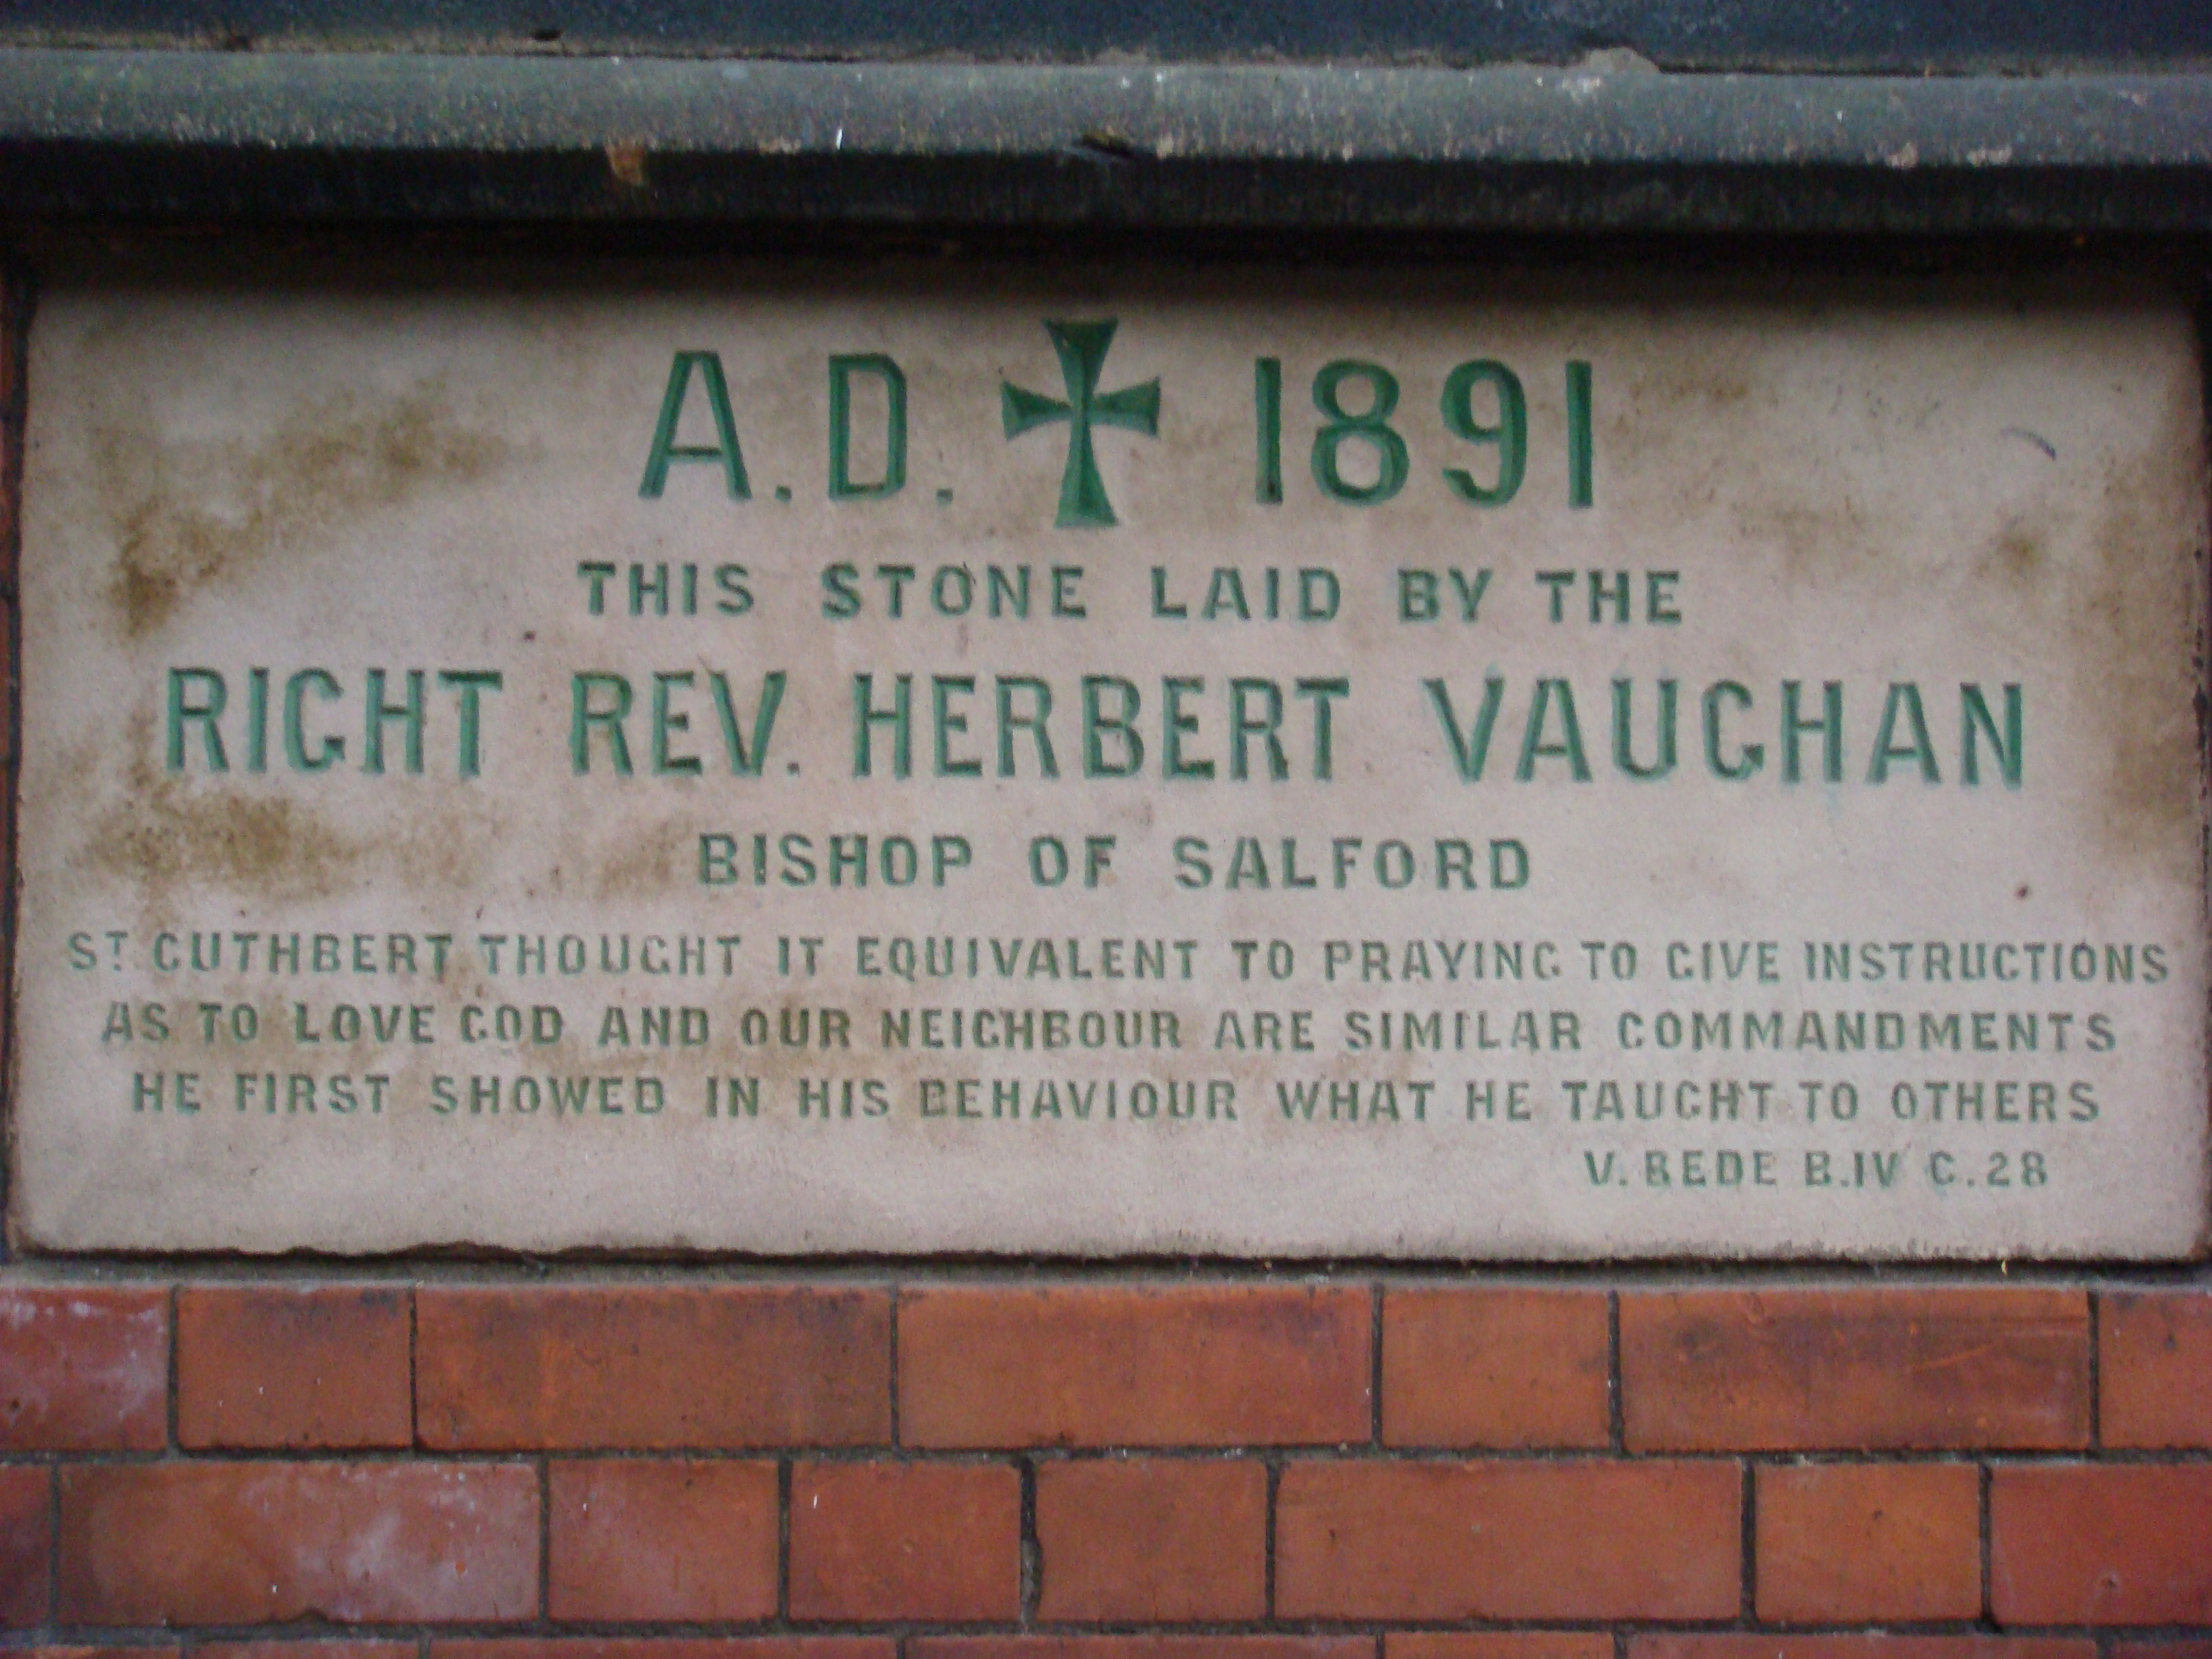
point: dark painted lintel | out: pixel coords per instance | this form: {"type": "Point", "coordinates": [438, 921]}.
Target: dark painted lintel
{"type": "Point", "coordinates": [1825, 37]}
{"type": "Point", "coordinates": [1612, 146]}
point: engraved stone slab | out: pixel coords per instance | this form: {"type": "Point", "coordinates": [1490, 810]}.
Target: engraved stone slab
{"type": "Point", "coordinates": [803, 764]}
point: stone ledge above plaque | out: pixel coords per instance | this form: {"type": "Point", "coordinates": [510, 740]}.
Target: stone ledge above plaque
{"type": "Point", "coordinates": [827, 766]}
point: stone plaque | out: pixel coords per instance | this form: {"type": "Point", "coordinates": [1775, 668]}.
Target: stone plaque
{"type": "Point", "coordinates": [813, 764]}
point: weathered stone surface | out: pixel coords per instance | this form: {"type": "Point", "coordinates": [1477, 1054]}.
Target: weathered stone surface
{"type": "Point", "coordinates": [1396, 938]}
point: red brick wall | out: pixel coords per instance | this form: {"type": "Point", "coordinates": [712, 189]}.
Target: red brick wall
{"type": "Point", "coordinates": [1103, 1467]}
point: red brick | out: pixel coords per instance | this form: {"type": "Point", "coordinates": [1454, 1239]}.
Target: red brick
{"type": "Point", "coordinates": [1498, 1644]}
{"type": "Point", "coordinates": [1208, 1365]}
{"type": "Point", "coordinates": [2199, 1648]}
{"type": "Point", "coordinates": [2119, 1544]}
{"type": "Point", "coordinates": [1496, 1368]}
{"type": "Point", "coordinates": [652, 1368]}
{"type": "Point", "coordinates": [1873, 1370]}
{"type": "Point", "coordinates": [312, 1649]}
{"type": "Point", "coordinates": [1581, 1539]}
{"type": "Point", "coordinates": [676, 1540]}
{"type": "Point", "coordinates": [1841, 1544]}
{"type": "Point", "coordinates": [1141, 1647]}
{"type": "Point", "coordinates": [84, 1370]}
{"type": "Point", "coordinates": [134, 1650]}
{"type": "Point", "coordinates": [905, 1540]}
{"type": "Point", "coordinates": [675, 1647]}
{"type": "Point", "coordinates": [27, 1529]}
{"type": "Point", "coordinates": [2154, 1382]}
{"type": "Point", "coordinates": [1746, 1645]}
{"type": "Point", "coordinates": [280, 1367]}
{"type": "Point", "coordinates": [1153, 1540]}
{"type": "Point", "coordinates": [210, 1543]}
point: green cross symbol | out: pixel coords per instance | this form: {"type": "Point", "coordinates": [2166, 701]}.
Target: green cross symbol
{"type": "Point", "coordinates": [1082, 347]}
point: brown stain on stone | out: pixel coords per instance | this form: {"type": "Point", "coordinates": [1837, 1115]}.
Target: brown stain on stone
{"type": "Point", "coordinates": [168, 835]}
{"type": "Point", "coordinates": [1656, 426]}
{"type": "Point", "coordinates": [2136, 618]}
{"type": "Point", "coordinates": [160, 836]}
{"type": "Point", "coordinates": [450, 851]}
{"type": "Point", "coordinates": [2113, 601]}
{"type": "Point", "coordinates": [2015, 556]}
{"type": "Point", "coordinates": [1821, 545]}
{"type": "Point", "coordinates": [1664, 399]}
{"type": "Point", "coordinates": [335, 459]}
{"type": "Point", "coordinates": [643, 866]}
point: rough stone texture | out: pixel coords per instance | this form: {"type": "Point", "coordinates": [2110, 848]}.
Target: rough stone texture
{"type": "Point", "coordinates": [1862, 491]}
